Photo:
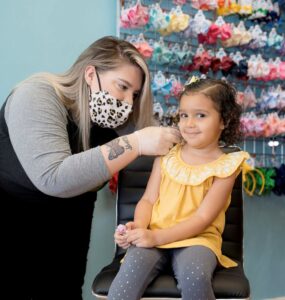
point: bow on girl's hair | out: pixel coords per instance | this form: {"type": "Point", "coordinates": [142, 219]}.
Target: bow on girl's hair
{"type": "Point", "coordinates": [192, 80]}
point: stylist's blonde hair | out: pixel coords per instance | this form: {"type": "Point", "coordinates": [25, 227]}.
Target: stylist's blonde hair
{"type": "Point", "coordinates": [105, 54]}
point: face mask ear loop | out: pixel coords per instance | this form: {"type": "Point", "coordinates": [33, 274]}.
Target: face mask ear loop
{"type": "Point", "coordinates": [90, 92]}
{"type": "Point", "coordinates": [99, 82]}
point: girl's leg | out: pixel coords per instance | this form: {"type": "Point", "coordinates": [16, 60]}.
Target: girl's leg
{"type": "Point", "coordinates": [139, 268]}
{"type": "Point", "coordinates": [193, 268]}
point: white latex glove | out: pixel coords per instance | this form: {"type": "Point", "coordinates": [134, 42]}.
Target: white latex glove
{"type": "Point", "coordinates": [157, 140]}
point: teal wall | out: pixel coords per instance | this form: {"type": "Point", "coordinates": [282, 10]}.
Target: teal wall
{"type": "Point", "coordinates": [264, 245]}
{"type": "Point", "coordinates": [37, 35]}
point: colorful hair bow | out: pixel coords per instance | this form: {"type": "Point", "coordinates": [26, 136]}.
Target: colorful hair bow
{"type": "Point", "coordinates": [192, 80]}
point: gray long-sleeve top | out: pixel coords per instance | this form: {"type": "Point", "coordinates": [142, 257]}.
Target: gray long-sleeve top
{"type": "Point", "coordinates": [37, 124]}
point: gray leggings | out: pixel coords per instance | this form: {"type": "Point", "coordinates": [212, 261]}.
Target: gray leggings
{"type": "Point", "coordinates": [193, 268]}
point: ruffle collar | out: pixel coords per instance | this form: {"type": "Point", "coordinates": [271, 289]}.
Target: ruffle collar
{"type": "Point", "coordinates": [179, 171]}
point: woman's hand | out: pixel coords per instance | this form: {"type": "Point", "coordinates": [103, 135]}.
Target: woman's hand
{"type": "Point", "coordinates": [142, 237]}
{"type": "Point", "coordinates": [157, 140]}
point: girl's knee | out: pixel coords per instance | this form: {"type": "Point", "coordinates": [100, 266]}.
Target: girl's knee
{"type": "Point", "coordinates": [196, 285]}
{"type": "Point", "coordinates": [197, 279]}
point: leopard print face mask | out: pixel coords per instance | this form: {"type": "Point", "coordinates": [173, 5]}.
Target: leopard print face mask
{"type": "Point", "coordinates": [107, 111]}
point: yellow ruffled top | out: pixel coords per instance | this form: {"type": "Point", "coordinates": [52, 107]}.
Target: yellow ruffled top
{"type": "Point", "coordinates": [182, 189]}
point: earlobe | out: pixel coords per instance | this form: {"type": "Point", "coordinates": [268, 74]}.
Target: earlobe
{"type": "Point", "coordinates": [226, 125]}
{"type": "Point", "coordinates": [89, 74]}
{"type": "Point", "coordinates": [223, 125]}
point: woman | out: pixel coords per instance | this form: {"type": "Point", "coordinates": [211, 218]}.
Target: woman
{"type": "Point", "coordinates": [60, 141]}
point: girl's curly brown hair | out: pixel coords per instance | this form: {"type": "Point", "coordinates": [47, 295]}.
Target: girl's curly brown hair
{"type": "Point", "coordinates": [223, 96]}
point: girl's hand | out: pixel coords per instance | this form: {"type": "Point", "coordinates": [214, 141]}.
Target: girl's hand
{"type": "Point", "coordinates": [121, 237]}
{"type": "Point", "coordinates": [133, 225]}
{"type": "Point", "coordinates": [130, 225]}
{"type": "Point", "coordinates": [157, 140]}
{"type": "Point", "coordinates": [142, 237]}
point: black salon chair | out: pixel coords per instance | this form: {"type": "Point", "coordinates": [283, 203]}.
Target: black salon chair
{"type": "Point", "coordinates": [227, 283]}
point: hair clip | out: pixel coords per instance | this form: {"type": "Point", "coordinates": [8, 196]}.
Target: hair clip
{"type": "Point", "coordinates": [192, 80]}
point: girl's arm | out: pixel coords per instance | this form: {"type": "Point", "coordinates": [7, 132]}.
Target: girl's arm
{"type": "Point", "coordinates": [210, 208]}
{"type": "Point", "coordinates": [144, 207]}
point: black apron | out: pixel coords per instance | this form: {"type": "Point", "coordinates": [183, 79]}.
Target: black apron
{"type": "Point", "coordinates": [44, 239]}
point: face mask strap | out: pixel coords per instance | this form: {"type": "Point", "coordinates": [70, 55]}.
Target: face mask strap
{"type": "Point", "coordinates": [99, 82]}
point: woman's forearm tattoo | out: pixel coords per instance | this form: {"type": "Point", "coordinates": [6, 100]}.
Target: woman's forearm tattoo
{"type": "Point", "coordinates": [116, 150]}
{"type": "Point", "coordinates": [128, 145]}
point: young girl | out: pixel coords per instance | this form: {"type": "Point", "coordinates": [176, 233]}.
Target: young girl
{"type": "Point", "coordinates": [181, 216]}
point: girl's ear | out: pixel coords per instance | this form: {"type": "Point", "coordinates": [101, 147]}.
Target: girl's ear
{"type": "Point", "coordinates": [223, 125]}
{"type": "Point", "coordinates": [90, 75]}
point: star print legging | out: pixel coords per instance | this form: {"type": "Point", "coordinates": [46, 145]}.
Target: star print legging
{"type": "Point", "coordinates": [193, 268]}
